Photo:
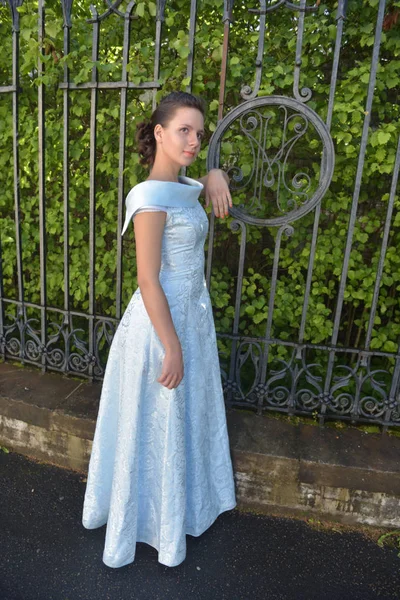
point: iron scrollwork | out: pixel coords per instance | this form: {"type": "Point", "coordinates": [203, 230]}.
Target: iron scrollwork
{"type": "Point", "coordinates": [252, 122]}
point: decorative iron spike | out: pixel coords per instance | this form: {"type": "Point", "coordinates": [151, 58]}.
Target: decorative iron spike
{"type": "Point", "coordinates": [161, 9]}
{"type": "Point", "coordinates": [14, 4]}
{"type": "Point", "coordinates": [66, 8]}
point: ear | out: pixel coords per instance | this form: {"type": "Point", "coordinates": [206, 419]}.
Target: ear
{"type": "Point", "coordinates": [158, 132]}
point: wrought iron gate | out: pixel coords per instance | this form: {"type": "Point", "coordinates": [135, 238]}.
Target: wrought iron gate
{"type": "Point", "coordinates": [263, 372]}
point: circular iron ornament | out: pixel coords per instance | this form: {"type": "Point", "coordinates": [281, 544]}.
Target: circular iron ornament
{"type": "Point", "coordinates": [327, 158]}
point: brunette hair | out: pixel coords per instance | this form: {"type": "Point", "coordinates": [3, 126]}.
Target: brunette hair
{"type": "Point", "coordinates": [162, 115]}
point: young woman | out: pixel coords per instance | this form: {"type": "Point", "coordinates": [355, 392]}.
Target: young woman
{"type": "Point", "coordinates": [160, 466]}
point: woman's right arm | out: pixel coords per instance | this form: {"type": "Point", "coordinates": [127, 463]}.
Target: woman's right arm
{"type": "Point", "coordinates": [149, 228]}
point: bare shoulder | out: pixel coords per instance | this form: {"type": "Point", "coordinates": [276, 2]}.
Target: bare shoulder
{"type": "Point", "coordinates": [149, 227]}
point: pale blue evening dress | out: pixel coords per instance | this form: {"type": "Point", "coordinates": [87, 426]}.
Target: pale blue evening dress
{"type": "Point", "coordinates": [160, 466]}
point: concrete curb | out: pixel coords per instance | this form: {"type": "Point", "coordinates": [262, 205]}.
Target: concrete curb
{"type": "Point", "coordinates": [343, 475]}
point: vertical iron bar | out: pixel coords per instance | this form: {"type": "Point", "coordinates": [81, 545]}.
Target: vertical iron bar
{"type": "Point", "coordinates": [288, 229]}
{"type": "Point", "coordinates": [121, 165]}
{"type": "Point", "coordinates": [66, 110]}
{"type": "Point", "coordinates": [340, 17]}
{"type": "Point", "coordinates": [92, 189]}
{"type": "Point", "coordinates": [384, 246]}
{"type": "Point", "coordinates": [223, 70]}
{"type": "Point", "coordinates": [379, 277]}
{"type": "Point", "coordinates": [339, 34]}
{"type": "Point", "coordinates": [42, 197]}
{"type": "Point", "coordinates": [227, 19]}
{"type": "Point", "coordinates": [210, 249]}
{"type": "Point", "coordinates": [248, 93]}
{"type": "Point", "coordinates": [159, 22]}
{"type": "Point", "coordinates": [305, 93]}
{"type": "Point", "coordinates": [189, 67]}
{"type": "Point", "coordinates": [360, 168]}
{"type": "Point", "coordinates": [238, 300]}
{"type": "Point", "coordinates": [17, 190]}
{"type": "Point", "coordinates": [192, 30]}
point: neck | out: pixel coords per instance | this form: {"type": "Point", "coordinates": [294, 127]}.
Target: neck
{"type": "Point", "coordinates": [163, 172]}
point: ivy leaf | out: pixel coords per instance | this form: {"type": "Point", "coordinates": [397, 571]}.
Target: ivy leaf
{"type": "Point", "coordinates": [380, 154]}
{"type": "Point", "coordinates": [217, 53]}
{"type": "Point", "coordinates": [383, 137]}
{"type": "Point", "coordinates": [53, 28]}
{"type": "Point", "coordinates": [140, 9]}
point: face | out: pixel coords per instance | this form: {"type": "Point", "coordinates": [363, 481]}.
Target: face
{"type": "Point", "coordinates": [180, 140]}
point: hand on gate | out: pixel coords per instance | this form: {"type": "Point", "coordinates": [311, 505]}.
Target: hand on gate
{"type": "Point", "coordinates": [217, 192]}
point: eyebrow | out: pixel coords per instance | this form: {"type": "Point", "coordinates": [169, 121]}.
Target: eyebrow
{"type": "Point", "coordinates": [190, 127]}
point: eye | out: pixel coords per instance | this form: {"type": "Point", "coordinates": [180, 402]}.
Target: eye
{"type": "Point", "coordinates": [200, 136]}
{"type": "Point", "coordinates": [184, 129]}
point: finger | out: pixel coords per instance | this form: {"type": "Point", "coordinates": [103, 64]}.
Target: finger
{"type": "Point", "coordinates": [173, 383]}
{"type": "Point", "coordinates": [229, 199]}
{"type": "Point", "coordinates": [216, 209]}
{"type": "Point", "coordinates": [221, 205]}
{"type": "Point", "coordinates": [164, 377]}
{"type": "Point", "coordinates": [207, 199]}
{"type": "Point", "coordinates": [167, 381]}
{"type": "Point", "coordinates": [225, 207]}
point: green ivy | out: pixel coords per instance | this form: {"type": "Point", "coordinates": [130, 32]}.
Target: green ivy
{"type": "Point", "coordinates": [280, 43]}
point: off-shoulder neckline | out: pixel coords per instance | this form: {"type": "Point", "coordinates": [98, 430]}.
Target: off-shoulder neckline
{"type": "Point", "coordinates": [189, 182]}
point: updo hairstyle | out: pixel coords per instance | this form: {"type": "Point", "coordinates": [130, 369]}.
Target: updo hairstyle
{"type": "Point", "coordinates": [164, 112]}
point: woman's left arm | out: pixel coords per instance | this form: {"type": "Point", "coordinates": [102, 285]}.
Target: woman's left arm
{"type": "Point", "coordinates": [216, 191]}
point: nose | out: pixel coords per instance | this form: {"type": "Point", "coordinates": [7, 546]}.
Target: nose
{"type": "Point", "coordinates": [194, 141]}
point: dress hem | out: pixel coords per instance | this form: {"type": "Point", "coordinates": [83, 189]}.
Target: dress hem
{"type": "Point", "coordinates": [153, 545]}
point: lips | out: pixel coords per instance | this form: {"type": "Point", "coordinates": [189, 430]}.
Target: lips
{"type": "Point", "coordinates": [189, 153]}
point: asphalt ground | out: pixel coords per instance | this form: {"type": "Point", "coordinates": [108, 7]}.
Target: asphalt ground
{"type": "Point", "coordinates": [46, 554]}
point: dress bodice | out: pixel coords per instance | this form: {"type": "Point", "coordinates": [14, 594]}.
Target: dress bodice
{"type": "Point", "coordinates": [183, 241]}
{"type": "Point", "coordinates": [186, 223]}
